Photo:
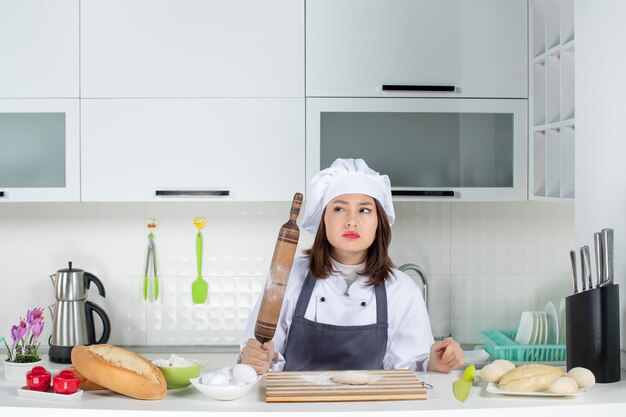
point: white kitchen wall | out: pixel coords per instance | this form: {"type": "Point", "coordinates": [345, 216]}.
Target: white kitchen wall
{"type": "Point", "coordinates": [600, 131]}
{"type": "Point", "coordinates": [485, 262]}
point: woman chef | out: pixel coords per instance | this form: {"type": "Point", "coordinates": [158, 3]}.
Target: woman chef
{"type": "Point", "coordinates": [345, 306]}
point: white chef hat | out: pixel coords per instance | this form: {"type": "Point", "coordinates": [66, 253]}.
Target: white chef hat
{"type": "Point", "coordinates": [345, 176]}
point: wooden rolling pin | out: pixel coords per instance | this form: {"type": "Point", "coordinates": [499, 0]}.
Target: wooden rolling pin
{"type": "Point", "coordinates": [284, 253]}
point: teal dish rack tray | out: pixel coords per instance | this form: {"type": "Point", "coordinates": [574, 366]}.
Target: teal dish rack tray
{"type": "Point", "coordinates": [500, 344]}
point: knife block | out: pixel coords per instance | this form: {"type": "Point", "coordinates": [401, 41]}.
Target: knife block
{"type": "Point", "coordinates": [593, 332]}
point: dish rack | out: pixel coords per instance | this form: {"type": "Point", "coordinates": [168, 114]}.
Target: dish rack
{"type": "Point", "coordinates": [500, 344]}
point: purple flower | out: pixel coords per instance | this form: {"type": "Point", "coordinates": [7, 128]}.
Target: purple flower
{"type": "Point", "coordinates": [37, 329]}
{"type": "Point", "coordinates": [18, 332]}
{"type": "Point", "coordinates": [34, 316]}
{"type": "Point", "coordinates": [25, 344]}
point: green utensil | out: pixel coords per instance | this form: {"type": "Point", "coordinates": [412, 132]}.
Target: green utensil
{"type": "Point", "coordinates": [155, 287]}
{"type": "Point", "coordinates": [145, 277]}
{"type": "Point", "coordinates": [463, 386]}
{"type": "Point", "coordinates": [151, 256]}
{"type": "Point", "coordinates": [199, 288]}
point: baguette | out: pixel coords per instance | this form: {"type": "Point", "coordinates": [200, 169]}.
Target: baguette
{"type": "Point", "coordinates": [85, 384]}
{"type": "Point", "coordinates": [530, 378]}
{"type": "Point", "coordinates": [120, 370]}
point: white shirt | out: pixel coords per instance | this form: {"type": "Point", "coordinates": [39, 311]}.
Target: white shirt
{"type": "Point", "coordinates": [348, 272]}
{"type": "Point", "coordinates": [409, 336]}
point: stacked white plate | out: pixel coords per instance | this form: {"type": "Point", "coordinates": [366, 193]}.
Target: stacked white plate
{"type": "Point", "coordinates": [539, 327]}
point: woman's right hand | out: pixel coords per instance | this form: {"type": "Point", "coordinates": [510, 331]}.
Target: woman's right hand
{"type": "Point", "coordinates": [257, 355]}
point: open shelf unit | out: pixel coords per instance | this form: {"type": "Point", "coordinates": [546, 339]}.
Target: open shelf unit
{"type": "Point", "coordinates": [552, 114]}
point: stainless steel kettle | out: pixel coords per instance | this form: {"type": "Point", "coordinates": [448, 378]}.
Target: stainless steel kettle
{"type": "Point", "coordinates": [72, 314]}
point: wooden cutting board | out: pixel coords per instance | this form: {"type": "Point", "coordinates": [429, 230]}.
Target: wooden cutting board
{"type": "Point", "coordinates": [399, 384]}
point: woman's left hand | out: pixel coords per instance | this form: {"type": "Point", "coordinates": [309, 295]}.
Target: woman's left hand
{"type": "Point", "coordinates": [445, 356]}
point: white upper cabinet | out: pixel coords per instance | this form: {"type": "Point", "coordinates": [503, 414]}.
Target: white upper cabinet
{"type": "Point", "coordinates": [212, 149]}
{"type": "Point", "coordinates": [39, 150]}
{"type": "Point", "coordinates": [39, 48]}
{"type": "Point", "coordinates": [432, 149]}
{"type": "Point", "coordinates": [192, 48]}
{"type": "Point", "coordinates": [476, 47]}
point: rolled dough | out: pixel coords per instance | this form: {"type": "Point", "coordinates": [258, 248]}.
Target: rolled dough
{"type": "Point", "coordinates": [354, 378]}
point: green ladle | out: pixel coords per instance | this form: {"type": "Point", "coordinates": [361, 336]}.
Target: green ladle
{"type": "Point", "coordinates": [199, 288]}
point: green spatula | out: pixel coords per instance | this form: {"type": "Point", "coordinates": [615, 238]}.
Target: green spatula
{"type": "Point", "coordinates": [199, 288]}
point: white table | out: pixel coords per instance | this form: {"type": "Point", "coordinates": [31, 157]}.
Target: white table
{"type": "Point", "coordinates": [599, 400]}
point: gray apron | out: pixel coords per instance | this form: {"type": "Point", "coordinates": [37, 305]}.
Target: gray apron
{"type": "Point", "coordinates": [315, 346]}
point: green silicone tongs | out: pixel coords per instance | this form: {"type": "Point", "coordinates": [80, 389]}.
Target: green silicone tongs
{"type": "Point", "coordinates": [151, 223]}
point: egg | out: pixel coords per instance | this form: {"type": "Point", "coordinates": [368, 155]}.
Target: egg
{"type": "Point", "coordinates": [245, 373]}
{"type": "Point", "coordinates": [227, 370]}
{"type": "Point", "coordinates": [219, 379]}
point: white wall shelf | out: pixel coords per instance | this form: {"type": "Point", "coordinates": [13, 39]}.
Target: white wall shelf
{"type": "Point", "coordinates": [551, 99]}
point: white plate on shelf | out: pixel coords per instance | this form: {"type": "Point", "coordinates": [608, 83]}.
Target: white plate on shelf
{"type": "Point", "coordinates": [49, 395]}
{"type": "Point", "coordinates": [525, 329]}
{"type": "Point", "coordinates": [540, 329]}
{"type": "Point", "coordinates": [493, 389]}
{"type": "Point", "coordinates": [536, 329]}
{"type": "Point", "coordinates": [544, 328]}
{"type": "Point", "coordinates": [553, 324]}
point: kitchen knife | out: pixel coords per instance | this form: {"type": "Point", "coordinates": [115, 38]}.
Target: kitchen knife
{"type": "Point", "coordinates": [572, 256]}
{"type": "Point", "coordinates": [597, 245]}
{"type": "Point", "coordinates": [585, 250]}
{"type": "Point", "coordinates": [607, 246]}
{"type": "Point", "coordinates": [583, 269]}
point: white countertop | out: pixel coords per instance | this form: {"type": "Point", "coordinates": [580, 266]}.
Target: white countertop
{"type": "Point", "coordinates": [608, 399]}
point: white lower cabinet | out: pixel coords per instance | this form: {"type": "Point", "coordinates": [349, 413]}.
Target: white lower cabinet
{"type": "Point", "coordinates": [39, 150]}
{"type": "Point", "coordinates": [184, 149]}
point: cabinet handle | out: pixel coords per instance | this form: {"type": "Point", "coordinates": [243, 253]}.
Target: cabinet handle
{"type": "Point", "coordinates": [435, 88]}
{"type": "Point", "coordinates": [422, 193]}
{"type": "Point", "coordinates": [193, 193]}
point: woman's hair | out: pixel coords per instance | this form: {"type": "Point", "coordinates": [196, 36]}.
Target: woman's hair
{"type": "Point", "coordinates": [378, 264]}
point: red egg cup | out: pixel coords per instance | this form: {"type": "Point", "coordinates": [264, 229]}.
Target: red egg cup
{"type": "Point", "coordinates": [65, 382]}
{"type": "Point", "coordinates": [38, 379]}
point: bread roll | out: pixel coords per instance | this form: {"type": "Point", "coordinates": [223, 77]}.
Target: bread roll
{"type": "Point", "coordinates": [530, 378]}
{"type": "Point", "coordinates": [120, 370]}
{"type": "Point", "coordinates": [503, 363]}
{"type": "Point", "coordinates": [84, 382]}
{"type": "Point", "coordinates": [583, 377]}
{"type": "Point", "coordinates": [564, 385]}
{"type": "Point", "coordinates": [492, 372]}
